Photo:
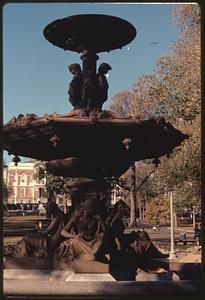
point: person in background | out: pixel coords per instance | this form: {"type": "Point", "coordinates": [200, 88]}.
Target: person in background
{"type": "Point", "coordinates": [41, 209]}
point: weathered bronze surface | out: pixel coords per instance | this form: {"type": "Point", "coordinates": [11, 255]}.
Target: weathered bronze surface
{"type": "Point", "coordinates": [75, 86]}
{"type": "Point", "coordinates": [90, 144]}
{"type": "Point", "coordinates": [89, 34]}
{"type": "Point", "coordinates": [99, 143]}
{"type": "Point", "coordinates": [92, 31]}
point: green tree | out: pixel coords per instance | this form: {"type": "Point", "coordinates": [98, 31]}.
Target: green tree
{"type": "Point", "coordinates": [54, 184]}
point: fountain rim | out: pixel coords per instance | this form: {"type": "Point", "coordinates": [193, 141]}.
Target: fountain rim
{"type": "Point", "coordinates": [58, 26]}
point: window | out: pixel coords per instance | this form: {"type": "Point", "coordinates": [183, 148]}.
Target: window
{"type": "Point", "coordinates": [23, 178]}
{"type": "Point", "coordinates": [30, 192]}
{"type": "Point", "coordinates": [41, 192]}
{"type": "Point", "coordinates": [11, 179]}
{"type": "Point", "coordinates": [15, 178]}
{"type": "Point", "coordinates": [14, 191]}
{"type": "Point", "coordinates": [29, 179]}
{"type": "Point", "coordinates": [22, 192]}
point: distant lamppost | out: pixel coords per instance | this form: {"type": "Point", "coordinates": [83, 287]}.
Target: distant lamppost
{"type": "Point", "coordinates": [172, 253]}
{"type": "Point", "coordinates": [133, 195]}
{"type": "Point", "coordinates": [192, 186]}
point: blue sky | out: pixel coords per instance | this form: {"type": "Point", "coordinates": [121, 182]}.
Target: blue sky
{"type": "Point", "coordinates": [35, 73]}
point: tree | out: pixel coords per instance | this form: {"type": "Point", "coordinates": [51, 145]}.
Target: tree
{"type": "Point", "coordinates": [130, 188]}
{"type": "Point", "coordinates": [173, 91]}
{"type": "Point", "coordinates": [158, 210]}
{"type": "Point", "coordinates": [121, 103]}
{"type": "Point", "coordinates": [54, 184]}
{"type": "Point", "coordinates": [133, 196]}
{"type": "Point", "coordinates": [179, 74]}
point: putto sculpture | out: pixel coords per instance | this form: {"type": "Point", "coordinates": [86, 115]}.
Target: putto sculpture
{"type": "Point", "coordinates": [89, 34]}
{"type": "Point", "coordinates": [75, 86]}
{"type": "Point", "coordinates": [89, 91]}
{"type": "Point", "coordinates": [102, 84]}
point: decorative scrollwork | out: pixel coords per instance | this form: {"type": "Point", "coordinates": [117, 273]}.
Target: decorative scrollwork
{"type": "Point", "coordinates": [127, 142]}
{"type": "Point", "coordinates": [55, 140]}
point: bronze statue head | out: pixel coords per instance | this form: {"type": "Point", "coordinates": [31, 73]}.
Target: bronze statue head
{"type": "Point", "coordinates": [120, 207]}
{"type": "Point", "coordinates": [104, 68]}
{"type": "Point", "coordinates": [74, 68]}
{"type": "Point", "coordinates": [90, 206]}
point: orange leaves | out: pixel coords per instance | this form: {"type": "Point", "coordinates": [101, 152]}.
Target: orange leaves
{"type": "Point", "coordinates": [157, 210]}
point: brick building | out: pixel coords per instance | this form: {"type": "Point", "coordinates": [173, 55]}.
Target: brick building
{"type": "Point", "coordinates": [22, 185]}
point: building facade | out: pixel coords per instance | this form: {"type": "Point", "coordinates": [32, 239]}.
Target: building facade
{"type": "Point", "coordinates": [22, 184]}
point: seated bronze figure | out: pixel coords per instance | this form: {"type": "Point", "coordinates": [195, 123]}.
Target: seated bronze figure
{"type": "Point", "coordinates": [41, 242]}
{"type": "Point", "coordinates": [85, 234]}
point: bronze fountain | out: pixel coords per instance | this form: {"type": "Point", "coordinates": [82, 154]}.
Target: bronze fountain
{"type": "Point", "coordinates": [89, 144]}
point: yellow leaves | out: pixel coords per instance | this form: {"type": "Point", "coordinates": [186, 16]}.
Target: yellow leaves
{"type": "Point", "coordinates": [157, 210]}
{"type": "Point", "coordinates": [186, 15]}
{"type": "Point", "coordinates": [173, 92]}
{"type": "Point", "coordinates": [174, 89]}
{"type": "Point", "coordinates": [122, 101]}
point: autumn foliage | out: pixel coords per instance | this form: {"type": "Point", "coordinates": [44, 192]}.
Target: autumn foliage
{"type": "Point", "coordinates": [174, 92]}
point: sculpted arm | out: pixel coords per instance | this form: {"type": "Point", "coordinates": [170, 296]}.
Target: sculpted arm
{"type": "Point", "coordinates": [51, 226]}
{"type": "Point", "coordinates": [66, 230]}
{"type": "Point", "coordinates": [102, 223]}
{"type": "Point", "coordinates": [118, 244]}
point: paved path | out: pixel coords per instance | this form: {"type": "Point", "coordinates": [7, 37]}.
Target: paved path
{"type": "Point", "coordinates": [123, 289]}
